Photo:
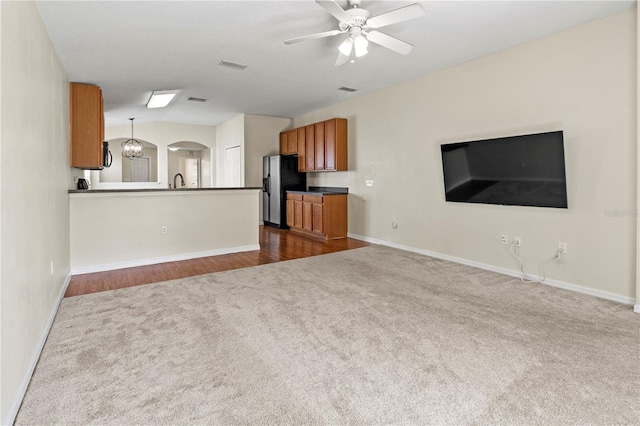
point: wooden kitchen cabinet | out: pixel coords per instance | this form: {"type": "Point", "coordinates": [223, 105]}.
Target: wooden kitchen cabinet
{"type": "Point", "coordinates": [294, 210]}
{"type": "Point", "coordinates": [86, 119]}
{"type": "Point", "coordinates": [289, 142]}
{"type": "Point", "coordinates": [325, 146]}
{"type": "Point", "coordinates": [307, 216]}
{"type": "Point", "coordinates": [292, 142]}
{"type": "Point", "coordinates": [322, 216]}
{"type": "Point", "coordinates": [335, 145]}
{"type": "Point", "coordinates": [297, 214]}
{"type": "Point", "coordinates": [310, 148]}
{"type": "Point", "coordinates": [290, 212]}
{"type": "Point", "coordinates": [319, 165]}
{"type": "Point", "coordinates": [317, 220]}
{"type": "Point", "coordinates": [302, 148]}
{"type": "Point", "coordinates": [320, 146]}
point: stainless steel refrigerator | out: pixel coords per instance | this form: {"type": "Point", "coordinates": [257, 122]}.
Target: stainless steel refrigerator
{"type": "Point", "coordinates": [279, 174]}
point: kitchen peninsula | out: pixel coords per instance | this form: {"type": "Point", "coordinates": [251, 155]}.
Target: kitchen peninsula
{"type": "Point", "coordinates": [120, 228]}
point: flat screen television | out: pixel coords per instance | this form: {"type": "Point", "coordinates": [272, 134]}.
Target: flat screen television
{"type": "Point", "coordinates": [525, 170]}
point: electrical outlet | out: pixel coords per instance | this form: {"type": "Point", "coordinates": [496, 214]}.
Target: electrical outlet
{"type": "Point", "coordinates": [517, 241]}
{"type": "Point", "coordinates": [562, 247]}
{"type": "Point", "coordinates": [52, 267]}
{"type": "Point", "coordinates": [504, 239]}
{"type": "Point", "coordinates": [163, 230]}
{"type": "Point", "coordinates": [368, 182]}
{"type": "Point", "coordinates": [394, 223]}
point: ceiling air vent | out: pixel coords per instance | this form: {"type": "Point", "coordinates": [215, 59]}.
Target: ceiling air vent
{"type": "Point", "coordinates": [348, 89]}
{"type": "Point", "coordinates": [196, 99]}
{"type": "Point", "coordinates": [233, 65]}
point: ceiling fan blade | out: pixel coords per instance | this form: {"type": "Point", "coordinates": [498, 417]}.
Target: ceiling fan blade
{"type": "Point", "coordinates": [412, 11]}
{"type": "Point", "coordinates": [334, 8]}
{"type": "Point", "coordinates": [342, 59]}
{"type": "Point", "coordinates": [389, 42]}
{"type": "Point", "coordinates": [313, 36]}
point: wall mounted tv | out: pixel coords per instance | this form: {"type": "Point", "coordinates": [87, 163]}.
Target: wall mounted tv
{"type": "Point", "coordinates": [526, 170]}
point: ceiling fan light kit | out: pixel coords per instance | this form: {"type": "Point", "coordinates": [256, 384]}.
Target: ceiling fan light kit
{"type": "Point", "coordinates": [358, 23]}
{"type": "Point", "coordinates": [360, 43]}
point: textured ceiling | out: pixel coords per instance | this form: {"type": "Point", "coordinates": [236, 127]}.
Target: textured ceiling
{"type": "Point", "coordinates": [132, 48]}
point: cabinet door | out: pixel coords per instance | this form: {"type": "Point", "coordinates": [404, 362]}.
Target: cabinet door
{"type": "Point", "coordinates": [86, 126]}
{"type": "Point", "coordinates": [330, 145]}
{"type": "Point", "coordinates": [292, 141]}
{"type": "Point", "coordinates": [307, 216]}
{"type": "Point", "coordinates": [319, 164]}
{"type": "Point", "coordinates": [317, 218]}
{"type": "Point", "coordinates": [297, 214]}
{"type": "Point", "coordinates": [290, 213]}
{"type": "Point", "coordinates": [283, 143]}
{"type": "Point", "coordinates": [301, 149]}
{"type": "Point", "coordinates": [310, 142]}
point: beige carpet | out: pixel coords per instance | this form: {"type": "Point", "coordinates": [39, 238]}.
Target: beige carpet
{"type": "Point", "coordinates": [367, 336]}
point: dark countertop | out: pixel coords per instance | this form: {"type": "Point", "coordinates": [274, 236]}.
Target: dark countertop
{"type": "Point", "coordinates": [315, 192]}
{"type": "Point", "coordinates": [102, 191]}
{"type": "Point", "coordinates": [321, 190]}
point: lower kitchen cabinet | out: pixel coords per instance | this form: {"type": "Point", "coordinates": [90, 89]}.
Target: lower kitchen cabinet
{"type": "Point", "coordinates": [322, 216]}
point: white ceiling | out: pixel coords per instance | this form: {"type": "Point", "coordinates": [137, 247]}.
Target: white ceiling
{"type": "Point", "coordinates": [132, 48]}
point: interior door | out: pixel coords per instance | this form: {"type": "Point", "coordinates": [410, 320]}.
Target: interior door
{"type": "Point", "coordinates": [190, 168]}
{"type": "Point", "coordinates": [140, 169]}
{"type": "Point", "coordinates": [232, 167]}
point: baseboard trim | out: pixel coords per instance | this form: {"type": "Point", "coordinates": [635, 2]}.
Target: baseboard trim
{"type": "Point", "coordinates": [163, 259]}
{"type": "Point", "coordinates": [551, 282]}
{"type": "Point", "coordinates": [17, 401]}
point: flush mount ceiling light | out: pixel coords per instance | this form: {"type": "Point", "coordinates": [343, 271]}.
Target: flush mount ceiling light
{"type": "Point", "coordinates": [132, 148]}
{"type": "Point", "coordinates": [174, 148]}
{"type": "Point", "coordinates": [161, 99]}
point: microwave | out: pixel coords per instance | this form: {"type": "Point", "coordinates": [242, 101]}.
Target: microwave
{"type": "Point", "coordinates": [107, 158]}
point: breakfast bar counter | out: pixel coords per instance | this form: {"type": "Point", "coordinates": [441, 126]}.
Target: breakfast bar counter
{"type": "Point", "coordinates": [120, 228]}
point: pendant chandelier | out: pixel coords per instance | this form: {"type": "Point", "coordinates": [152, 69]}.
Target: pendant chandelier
{"type": "Point", "coordinates": [132, 148]}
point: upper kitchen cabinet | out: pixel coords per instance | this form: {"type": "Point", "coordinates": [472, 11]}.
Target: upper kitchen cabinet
{"type": "Point", "coordinates": [320, 146]}
{"type": "Point", "coordinates": [87, 126]}
{"type": "Point", "coordinates": [289, 142]}
{"type": "Point", "coordinates": [302, 148]}
{"type": "Point", "coordinates": [335, 144]}
{"type": "Point", "coordinates": [326, 146]}
{"type": "Point", "coordinates": [284, 148]}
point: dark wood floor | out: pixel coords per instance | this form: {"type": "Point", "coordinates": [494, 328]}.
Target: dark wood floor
{"type": "Point", "coordinates": [275, 245]}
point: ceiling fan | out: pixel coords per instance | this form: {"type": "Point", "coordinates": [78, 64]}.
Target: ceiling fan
{"type": "Point", "coordinates": [359, 25]}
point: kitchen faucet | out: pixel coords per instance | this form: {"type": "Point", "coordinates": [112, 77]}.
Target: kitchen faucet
{"type": "Point", "coordinates": [181, 180]}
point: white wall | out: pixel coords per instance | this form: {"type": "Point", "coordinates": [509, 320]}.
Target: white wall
{"type": "Point", "coordinates": [161, 134]}
{"type": "Point", "coordinates": [199, 223]}
{"type": "Point", "coordinates": [637, 306]}
{"type": "Point", "coordinates": [581, 81]}
{"type": "Point", "coordinates": [35, 175]}
{"type": "Point", "coordinates": [229, 134]}
{"type": "Point", "coordinates": [261, 138]}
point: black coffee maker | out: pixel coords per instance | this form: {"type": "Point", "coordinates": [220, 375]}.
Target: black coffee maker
{"type": "Point", "coordinates": [83, 184]}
